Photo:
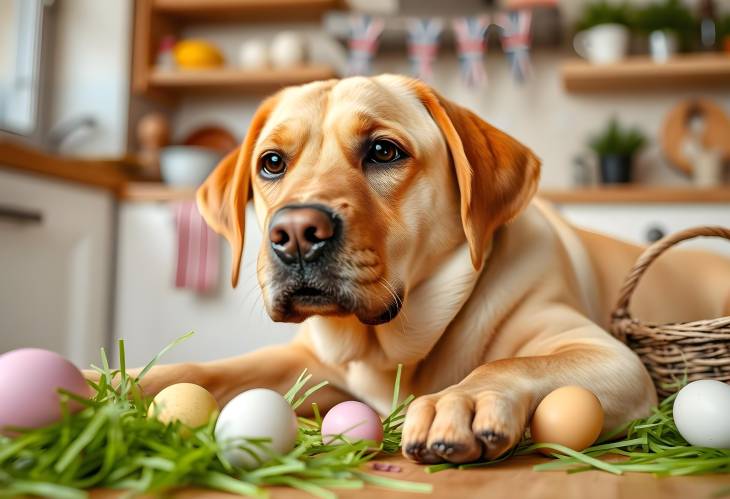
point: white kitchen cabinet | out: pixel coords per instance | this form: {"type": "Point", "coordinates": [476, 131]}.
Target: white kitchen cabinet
{"type": "Point", "coordinates": [56, 242]}
{"type": "Point", "coordinates": [641, 223]}
{"type": "Point", "coordinates": [150, 312]}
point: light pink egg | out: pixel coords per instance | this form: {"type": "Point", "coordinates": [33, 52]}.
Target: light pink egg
{"type": "Point", "coordinates": [29, 378]}
{"type": "Point", "coordinates": [353, 420]}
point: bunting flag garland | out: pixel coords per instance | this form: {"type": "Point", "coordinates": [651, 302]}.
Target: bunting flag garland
{"type": "Point", "coordinates": [516, 41]}
{"type": "Point", "coordinates": [423, 42]}
{"type": "Point", "coordinates": [470, 32]}
{"type": "Point", "coordinates": [364, 33]}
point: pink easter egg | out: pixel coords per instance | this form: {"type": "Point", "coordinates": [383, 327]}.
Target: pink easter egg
{"type": "Point", "coordinates": [29, 378]}
{"type": "Point", "coordinates": [354, 421]}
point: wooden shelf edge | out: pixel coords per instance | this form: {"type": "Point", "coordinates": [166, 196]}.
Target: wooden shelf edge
{"type": "Point", "coordinates": [641, 73]}
{"type": "Point", "coordinates": [107, 174]}
{"type": "Point", "coordinates": [233, 79]}
{"type": "Point", "coordinates": [637, 194]}
{"type": "Point", "coordinates": [246, 10]}
{"type": "Point", "coordinates": [155, 192]}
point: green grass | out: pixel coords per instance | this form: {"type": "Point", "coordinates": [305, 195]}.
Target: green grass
{"type": "Point", "coordinates": [112, 443]}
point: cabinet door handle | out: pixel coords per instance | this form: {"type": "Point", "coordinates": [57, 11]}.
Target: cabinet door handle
{"type": "Point", "coordinates": [20, 215]}
{"type": "Point", "coordinates": [654, 233]}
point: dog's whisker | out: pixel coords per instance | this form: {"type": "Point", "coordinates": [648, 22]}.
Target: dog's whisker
{"type": "Point", "coordinates": [402, 315]}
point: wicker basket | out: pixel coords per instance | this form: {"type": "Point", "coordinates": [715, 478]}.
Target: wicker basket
{"type": "Point", "coordinates": [701, 349]}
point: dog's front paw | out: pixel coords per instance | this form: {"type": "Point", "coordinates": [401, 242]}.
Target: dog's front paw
{"type": "Point", "coordinates": [458, 426]}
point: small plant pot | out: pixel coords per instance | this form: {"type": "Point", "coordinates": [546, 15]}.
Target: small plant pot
{"type": "Point", "coordinates": [616, 169]}
{"type": "Point", "coordinates": [662, 45]}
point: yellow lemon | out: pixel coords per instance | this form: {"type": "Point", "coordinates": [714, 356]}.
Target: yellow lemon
{"type": "Point", "coordinates": [197, 54]}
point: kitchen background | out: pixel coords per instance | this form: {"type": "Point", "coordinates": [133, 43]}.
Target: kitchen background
{"type": "Point", "coordinates": [94, 247]}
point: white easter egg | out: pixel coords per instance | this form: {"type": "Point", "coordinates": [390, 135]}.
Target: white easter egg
{"type": "Point", "coordinates": [702, 413]}
{"type": "Point", "coordinates": [253, 54]}
{"type": "Point", "coordinates": [255, 414]}
{"type": "Point", "coordinates": [287, 49]}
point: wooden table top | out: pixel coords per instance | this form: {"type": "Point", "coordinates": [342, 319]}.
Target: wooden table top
{"type": "Point", "coordinates": [509, 480]}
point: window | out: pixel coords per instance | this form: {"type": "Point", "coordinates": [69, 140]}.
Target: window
{"type": "Point", "coordinates": [20, 46]}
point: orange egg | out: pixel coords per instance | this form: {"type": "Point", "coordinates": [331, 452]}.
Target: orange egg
{"type": "Point", "coordinates": [571, 416]}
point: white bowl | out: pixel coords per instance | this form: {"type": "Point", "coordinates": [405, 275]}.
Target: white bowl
{"type": "Point", "coordinates": [187, 166]}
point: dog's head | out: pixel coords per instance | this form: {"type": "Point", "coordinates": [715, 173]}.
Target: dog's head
{"type": "Point", "coordinates": [362, 186]}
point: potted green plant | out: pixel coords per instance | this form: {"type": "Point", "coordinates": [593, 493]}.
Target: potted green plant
{"type": "Point", "coordinates": [669, 25]}
{"type": "Point", "coordinates": [603, 33]}
{"type": "Point", "coordinates": [604, 12]}
{"type": "Point", "coordinates": [616, 148]}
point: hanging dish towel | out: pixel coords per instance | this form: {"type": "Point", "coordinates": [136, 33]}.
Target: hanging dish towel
{"type": "Point", "coordinates": [198, 250]}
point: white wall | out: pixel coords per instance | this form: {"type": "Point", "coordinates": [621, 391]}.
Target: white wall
{"type": "Point", "coordinates": [91, 69]}
{"type": "Point", "coordinates": [150, 312]}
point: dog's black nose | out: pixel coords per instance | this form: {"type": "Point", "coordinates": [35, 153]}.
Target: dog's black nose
{"type": "Point", "coordinates": [301, 232]}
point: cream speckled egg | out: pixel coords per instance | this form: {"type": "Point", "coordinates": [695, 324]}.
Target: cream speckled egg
{"type": "Point", "coordinates": [571, 416]}
{"type": "Point", "coordinates": [188, 403]}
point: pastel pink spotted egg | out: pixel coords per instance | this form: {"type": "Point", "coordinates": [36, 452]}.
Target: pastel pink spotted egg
{"type": "Point", "coordinates": [351, 421]}
{"type": "Point", "coordinates": [29, 380]}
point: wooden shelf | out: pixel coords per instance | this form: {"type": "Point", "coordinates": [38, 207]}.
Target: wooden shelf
{"type": "Point", "coordinates": [641, 73]}
{"type": "Point", "coordinates": [236, 80]}
{"type": "Point", "coordinates": [108, 174]}
{"type": "Point", "coordinates": [155, 191]}
{"type": "Point", "coordinates": [245, 10]}
{"type": "Point", "coordinates": [636, 194]}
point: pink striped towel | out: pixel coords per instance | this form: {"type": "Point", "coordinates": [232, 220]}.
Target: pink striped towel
{"type": "Point", "coordinates": [198, 253]}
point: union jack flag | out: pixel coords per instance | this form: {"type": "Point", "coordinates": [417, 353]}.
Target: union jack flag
{"type": "Point", "coordinates": [470, 32]}
{"type": "Point", "coordinates": [363, 43]}
{"type": "Point", "coordinates": [516, 41]}
{"type": "Point", "coordinates": [423, 42]}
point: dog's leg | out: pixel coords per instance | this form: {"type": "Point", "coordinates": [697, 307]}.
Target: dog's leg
{"type": "Point", "coordinates": [486, 414]}
{"type": "Point", "coordinates": [275, 367]}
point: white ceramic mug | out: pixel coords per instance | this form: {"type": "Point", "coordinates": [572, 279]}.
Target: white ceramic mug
{"type": "Point", "coordinates": [254, 54]}
{"type": "Point", "coordinates": [287, 49]}
{"type": "Point", "coordinates": [602, 44]}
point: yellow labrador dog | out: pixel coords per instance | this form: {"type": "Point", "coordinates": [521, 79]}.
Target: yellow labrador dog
{"type": "Point", "coordinates": [401, 228]}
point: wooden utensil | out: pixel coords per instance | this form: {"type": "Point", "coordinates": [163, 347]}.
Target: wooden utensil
{"type": "Point", "coordinates": [676, 130]}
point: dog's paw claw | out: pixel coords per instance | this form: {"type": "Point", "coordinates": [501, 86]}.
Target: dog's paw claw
{"type": "Point", "coordinates": [446, 448]}
{"type": "Point", "coordinates": [491, 437]}
{"type": "Point", "coordinates": [419, 452]}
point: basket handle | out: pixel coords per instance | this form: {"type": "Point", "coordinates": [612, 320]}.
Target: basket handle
{"type": "Point", "coordinates": [621, 311]}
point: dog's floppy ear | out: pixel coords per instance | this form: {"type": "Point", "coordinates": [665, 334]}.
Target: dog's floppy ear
{"type": "Point", "coordinates": [497, 176]}
{"type": "Point", "coordinates": [223, 196]}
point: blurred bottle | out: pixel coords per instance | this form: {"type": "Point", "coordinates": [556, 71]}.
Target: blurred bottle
{"type": "Point", "coordinates": [708, 25]}
{"type": "Point", "coordinates": [165, 57]}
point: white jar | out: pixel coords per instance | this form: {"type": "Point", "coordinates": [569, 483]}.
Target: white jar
{"type": "Point", "coordinates": [287, 50]}
{"type": "Point", "coordinates": [253, 54]}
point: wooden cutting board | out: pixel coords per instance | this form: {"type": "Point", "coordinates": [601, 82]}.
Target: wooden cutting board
{"type": "Point", "coordinates": [675, 131]}
{"type": "Point", "coordinates": [509, 480]}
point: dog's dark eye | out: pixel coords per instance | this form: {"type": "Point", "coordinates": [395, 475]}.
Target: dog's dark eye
{"type": "Point", "coordinates": [383, 151]}
{"type": "Point", "coordinates": [272, 165]}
